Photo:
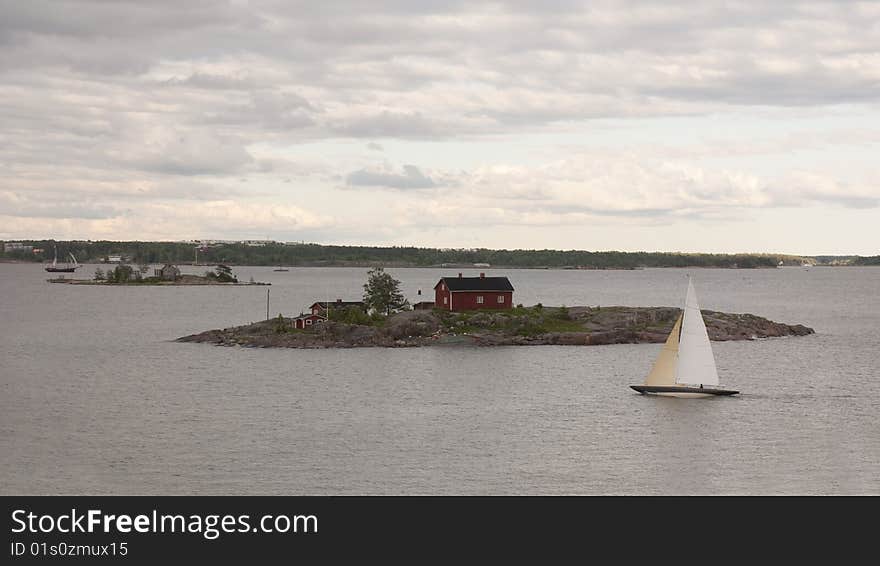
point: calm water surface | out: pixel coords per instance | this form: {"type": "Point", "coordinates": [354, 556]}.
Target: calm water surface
{"type": "Point", "coordinates": [96, 398]}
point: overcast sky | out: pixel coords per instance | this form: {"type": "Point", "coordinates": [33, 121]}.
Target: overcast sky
{"type": "Point", "coordinates": [672, 126]}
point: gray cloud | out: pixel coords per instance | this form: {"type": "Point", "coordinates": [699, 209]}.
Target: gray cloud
{"type": "Point", "coordinates": [212, 81]}
{"type": "Point", "coordinates": [426, 70]}
{"type": "Point", "coordinates": [136, 99]}
{"type": "Point", "coordinates": [410, 178]}
{"type": "Point", "coordinates": [192, 153]}
{"type": "Point", "coordinates": [390, 124]}
{"type": "Point", "coordinates": [267, 111]}
{"type": "Point", "coordinates": [18, 205]}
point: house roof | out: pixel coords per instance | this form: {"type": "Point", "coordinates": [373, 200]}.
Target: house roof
{"type": "Point", "coordinates": [337, 304]}
{"type": "Point", "coordinates": [309, 315]}
{"type": "Point", "coordinates": [476, 283]}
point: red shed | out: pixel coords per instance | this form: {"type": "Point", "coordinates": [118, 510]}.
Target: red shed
{"type": "Point", "coordinates": [308, 320]}
{"type": "Point", "coordinates": [472, 293]}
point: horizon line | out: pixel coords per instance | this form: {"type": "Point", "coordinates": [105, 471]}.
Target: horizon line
{"type": "Point", "coordinates": [441, 248]}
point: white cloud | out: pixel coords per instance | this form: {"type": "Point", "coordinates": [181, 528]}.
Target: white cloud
{"type": "Point", "coordinates": [585, 187]}
{"type": "Point", "coordinates": [173, 221]}
{"type": "Point", "coordinates": [410, 177]}
{"type": "Point", "coordinates": [184, 153]}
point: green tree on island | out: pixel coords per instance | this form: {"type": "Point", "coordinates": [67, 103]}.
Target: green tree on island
{"type": "Point", "coordinates": [382, 292]}
{"type": "Point", "coordinates": [121, 274]}
{"type": "Point", "coordinates": [222, 273]}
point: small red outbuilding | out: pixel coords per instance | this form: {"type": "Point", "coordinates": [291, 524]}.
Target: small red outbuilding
{"type": "Point", "coordinates": [308, 320]}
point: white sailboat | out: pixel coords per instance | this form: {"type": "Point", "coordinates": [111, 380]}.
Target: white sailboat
{"type": "Point", "coordinates": [69, 268]}
{"type": "Point", "coordinates": [686, 365]}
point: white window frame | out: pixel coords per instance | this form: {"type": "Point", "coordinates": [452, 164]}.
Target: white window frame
{"type": "Point", "coordinates": [500, 299]}
{"type": "Point", "coordinates": [309, 321]}
{"type": "Point", "coordinates": [445, 300]}
{"type": "Point", "coordinates": [479, 299]}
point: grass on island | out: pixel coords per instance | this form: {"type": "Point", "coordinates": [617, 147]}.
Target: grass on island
{"type": "Point", "coordinates": [521, 321]}
{"type": "Point", "coordinates": [518, 321]}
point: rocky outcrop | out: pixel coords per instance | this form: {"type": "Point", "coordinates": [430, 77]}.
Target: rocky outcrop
{"type": "Point", "coordinates": [183, 280]}
{"type": "Point", "coordinates": [576, 326]}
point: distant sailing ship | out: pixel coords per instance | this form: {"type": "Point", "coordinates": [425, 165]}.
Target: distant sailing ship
{"type": "Point", "coordinates": [67, 268]}
{"type": "Point", "coordinates": [686, 365]}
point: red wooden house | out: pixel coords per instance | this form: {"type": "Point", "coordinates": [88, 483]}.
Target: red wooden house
{"type": "Point", "coordinates": [472, 293]}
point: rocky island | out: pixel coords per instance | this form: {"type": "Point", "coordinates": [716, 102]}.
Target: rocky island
{"type": "Point", "coordinates": [182, 280]}
{"type": "Point", "coordinates": [538, 325]}
{"type": "Point", "coordinates": [167, 275]}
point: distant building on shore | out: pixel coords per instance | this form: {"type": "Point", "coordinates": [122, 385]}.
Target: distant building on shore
{"type": "Point", "coordinates": [473, 293]}
{"type": "Point", "coordinates": [17, 247]}
{"type": "Point", "coordinates": [168, 272]}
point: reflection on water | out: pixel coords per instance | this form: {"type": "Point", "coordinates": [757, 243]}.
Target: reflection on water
{"type": "Point", "coordinates": [96, 398]}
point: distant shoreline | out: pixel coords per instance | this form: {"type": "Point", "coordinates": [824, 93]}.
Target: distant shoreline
{"type": "Point", "coordinates": [287, 268]}
{"type": "Point", "coordinates": [301, 254]}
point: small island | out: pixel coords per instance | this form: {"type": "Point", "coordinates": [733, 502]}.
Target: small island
{"type": "Point", "coordinates": [169, 274]}
{"type": "Point", "coordinates": [519, 326]}
{"type": "Point", "coordinates": [386, 319]}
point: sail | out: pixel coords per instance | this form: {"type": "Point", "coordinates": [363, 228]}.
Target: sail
{"type": "Point", "coordinates": [663, 372]}
{"type": "Point", "coordinates": [696, 364]}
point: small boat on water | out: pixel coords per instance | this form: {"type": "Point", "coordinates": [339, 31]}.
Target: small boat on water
{"type": "Point", "coordinates": [281, 269]}
{"type": "Point", "coordinates": [67, 268]}
{"type": "Point", "coordinates": [686, 365]}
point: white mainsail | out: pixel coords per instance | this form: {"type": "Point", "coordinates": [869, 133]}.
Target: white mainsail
{"type": "Point", "coordinates": [696, 364]}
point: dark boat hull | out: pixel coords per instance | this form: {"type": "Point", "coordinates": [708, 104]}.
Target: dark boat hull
{"type": "Point", "coordinates": [61, 269]}
{"type": "Point", "coordinates": [682, 391]}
